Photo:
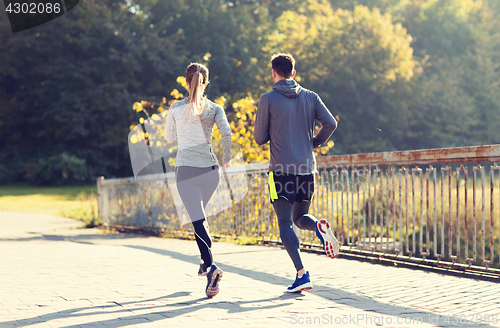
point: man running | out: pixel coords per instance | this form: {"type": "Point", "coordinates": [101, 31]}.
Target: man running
{"type": "Point", "coordinates": [286, 117]}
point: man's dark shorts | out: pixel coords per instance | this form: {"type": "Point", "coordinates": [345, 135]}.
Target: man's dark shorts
{"type": "Point", "coordinates": [292, 187]}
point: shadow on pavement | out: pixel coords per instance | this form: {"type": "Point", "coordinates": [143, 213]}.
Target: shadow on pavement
{"type": "Point", "coordinates": [337, 295]}
{"type": "Point", "coordinates": [188, 306]}
{"type": "Point", "coordinates": [81, 238]}
{"type": "Point", "coordinates": [160, 312]}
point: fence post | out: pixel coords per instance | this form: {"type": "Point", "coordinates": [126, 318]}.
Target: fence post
{"type": "Point", "coordinates": [99, 199]}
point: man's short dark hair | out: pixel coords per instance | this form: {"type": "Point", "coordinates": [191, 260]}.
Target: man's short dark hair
{"type": "Point", "coordinates": [283, 64]}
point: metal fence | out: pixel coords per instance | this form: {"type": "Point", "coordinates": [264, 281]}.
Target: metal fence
{"type": "Point", "coordinates": [438, 207]}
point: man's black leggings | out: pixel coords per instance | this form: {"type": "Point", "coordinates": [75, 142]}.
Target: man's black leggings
{"type": "Point", "coordinates": [298, 214]}
{"type": "Point", "coordinates": [196, 186]}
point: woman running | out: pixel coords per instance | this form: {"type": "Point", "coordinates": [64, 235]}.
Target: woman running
{"type": "Point", "coordinates": [192, 120]}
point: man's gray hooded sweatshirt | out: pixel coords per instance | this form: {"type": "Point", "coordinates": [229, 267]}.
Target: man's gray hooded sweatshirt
{"type": "Point", "coordinates": [285, 117]}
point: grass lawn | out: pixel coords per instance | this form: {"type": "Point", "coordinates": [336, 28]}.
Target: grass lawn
{"type": "Point", "coordinates": [78, 202]}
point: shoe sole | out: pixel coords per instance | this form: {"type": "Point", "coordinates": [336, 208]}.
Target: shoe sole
{"type": "Point", "coordinates": [202, 274]}
{"type": "Point", "coordinates": [213, 287]}
{"type": "Point", "coordinates": [331, 244]}
{"type": "Point", "coordinates": [298, 289]}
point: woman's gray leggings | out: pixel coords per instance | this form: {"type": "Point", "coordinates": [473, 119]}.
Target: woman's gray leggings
{"type": "Point", "coordinates": [196, 186]}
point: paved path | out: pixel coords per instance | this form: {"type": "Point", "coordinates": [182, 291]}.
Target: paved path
{"type": "Point", "coordinates": [55, 275]}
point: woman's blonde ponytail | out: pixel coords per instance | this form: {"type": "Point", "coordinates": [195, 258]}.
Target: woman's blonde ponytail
{"type": "Point", "coordinates": [197, 78]}
{"type": "Point", "coordinates": [196, 90]}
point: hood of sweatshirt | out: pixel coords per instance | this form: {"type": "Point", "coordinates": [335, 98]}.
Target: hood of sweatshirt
{"type": "Point", "coordinates": [288, 87]}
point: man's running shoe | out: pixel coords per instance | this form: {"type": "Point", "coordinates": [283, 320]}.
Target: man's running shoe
{"type": "Point", "coordinates": [214, 275]}
{"type": "Point", "coordinates": [328, 240]}
{"type": "Point", "coordinates": [300, 284]}
{"type": "Point", "coordinates": [203, 270]}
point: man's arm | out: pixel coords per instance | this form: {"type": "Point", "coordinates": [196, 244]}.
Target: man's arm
{"type": "Point", "coordinates": [261, 127]}
{"type": "Point", "coordinates": [328, 122]}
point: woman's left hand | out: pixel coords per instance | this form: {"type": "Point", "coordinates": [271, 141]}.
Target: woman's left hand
{"type": "Point", "coordinates": [227, 165]}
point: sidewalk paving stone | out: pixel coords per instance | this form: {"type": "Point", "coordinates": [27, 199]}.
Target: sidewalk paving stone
{"type": "Point", "coordinates": [54, 275]}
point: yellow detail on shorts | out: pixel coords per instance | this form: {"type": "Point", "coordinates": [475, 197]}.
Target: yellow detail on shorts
{"type": "Point", "coordinates": [272, 187]}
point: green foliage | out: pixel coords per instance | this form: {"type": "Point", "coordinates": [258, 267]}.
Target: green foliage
{"type": "Point", "coordinates": [399, 74]}
{"type": "Point", "coordinates": [4, 173]}
{"type": "Point", "coordinates": [441, 27]}
{"type": "Point", "coordinates": [355, 61]}
{"type": "Point", "coordinates": [57, 170]}
{"type": "Point", "coordinates": [456, 99]}
{"type": "Point", "coordinates": [78, 202]}
{"type": "Point", "coordinates": [87, 210]}
{"type": "Point", "coordinates": [247, 240]}
{"type": "Point", "coordinates": [224, 35]}
{"type": "Point", "coordinates": [72, 92]}
{"type": "Point", "coordinates": [393, 7]}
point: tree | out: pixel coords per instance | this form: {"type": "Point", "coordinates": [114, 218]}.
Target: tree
{"type": "Point", "coordinates": [393, 7]}
{"type": "Point", "coordinates": [356, 62]}
{"type": "Point", "coordinates": [440, 27]}
{"type": "Point", "coordinates": [458, 99]}
{"type": "Point", "coordinates": [67, 86]}
{"type": "Point", "coordinates": [227, 36]}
